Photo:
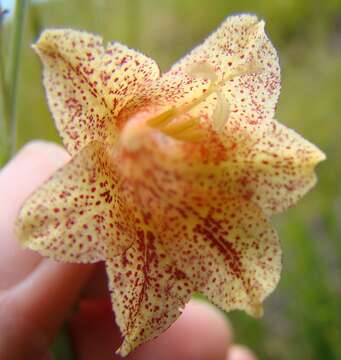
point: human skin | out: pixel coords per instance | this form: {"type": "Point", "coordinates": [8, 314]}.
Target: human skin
{"type": "Point", "coordinates": [37, 296]}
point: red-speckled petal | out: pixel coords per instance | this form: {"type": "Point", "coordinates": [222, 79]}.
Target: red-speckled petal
{"type": "Point", "coordinates": [274, 169]}
{"type": "Point", "coordinates": [226, 247]}
{"type": "Point", "coordinates": [148, 289]}
{"type": "Point", "coordinates": [72, 216]}
{"type": "Point", "coordinates": [272, 165]}
{"type": "Point", "coordinates": [238, 43]}
{"type": "Point", "coordinates": [173, 90]}
{"type": "Point", "coordinates": [88, 85]}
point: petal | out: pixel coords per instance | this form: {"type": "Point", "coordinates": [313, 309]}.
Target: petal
{"type": "Point", "coordinates": [71, 217]}
{"type": "Point", "coordinates": [275, 168]}
{"type": "Point", "coordinates": [148, 289]}
{"type": "Point", "coordinates": [88, 85]}
{"type": "Point", "coordinates": [240, 42]}
{"type": "Point", "coordinates": [271, 165]}
{"type": "Point", "coordinates": [227, 249]}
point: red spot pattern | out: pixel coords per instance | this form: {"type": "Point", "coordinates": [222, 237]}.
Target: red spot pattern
{"type": "Point", "coordinates": [228, 250]}
{"type": "Point", "coordinates": [86, 87]}
{"type": "Point", "coordinates": [78, 228]}
{"type": "Point", "coordinates": [272, 165]}
{"type": "Point", "coordinates": [240, 41]}
{"type": "Point", "coordinates": [147, 291]}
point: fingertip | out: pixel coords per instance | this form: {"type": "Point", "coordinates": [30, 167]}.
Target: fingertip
{"type": "Point", "coordinates": [239, 352]}
{"type": "Point", "coordinates": [201, 333]}
{"type": "Point", "coordinates": [40, 152]}
{"type": "Point", "coordinates": [53, 153]}
{"type": "Point", "coordinates": [204, 312]}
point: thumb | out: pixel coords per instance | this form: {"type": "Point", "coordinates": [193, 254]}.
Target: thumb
{"type": "Point", "coordinates": [33, 164]}
{"type": "Point", "coordinates": [36, 295]}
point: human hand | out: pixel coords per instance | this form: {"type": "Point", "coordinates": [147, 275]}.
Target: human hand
{"type": "Point", "coordinates": [37, 295]}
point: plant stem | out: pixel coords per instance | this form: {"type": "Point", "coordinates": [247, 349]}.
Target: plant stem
{"type": "Point", "coordinates": [3, 99]}
{"type": "Point", "coordinates": [132, 7]}
{"type": "Point", "coordinates": [14, 64]}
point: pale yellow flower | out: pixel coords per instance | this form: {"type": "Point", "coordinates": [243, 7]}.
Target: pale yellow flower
{"type": "Point", "coordinates": [173, 177]}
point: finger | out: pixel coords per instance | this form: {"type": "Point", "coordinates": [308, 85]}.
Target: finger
{"type": "Point", "coordinates": [238, 352]}
{"type": "Point", "coordinates": [201, 333]}
{"type": "Point", "coordinates": [20, 177]}
{"type": "Point", "coordinates": [33, 311]}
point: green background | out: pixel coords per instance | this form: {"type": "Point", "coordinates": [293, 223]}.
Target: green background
{"type": "Point", "coordinates": [303, 317]}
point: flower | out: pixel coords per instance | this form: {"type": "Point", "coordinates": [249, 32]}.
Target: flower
{"type": "Point", "coordinates": [173, 177]}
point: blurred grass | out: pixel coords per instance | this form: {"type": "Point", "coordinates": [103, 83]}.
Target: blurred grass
{"type": "Point", "coordinates": [302, 318]}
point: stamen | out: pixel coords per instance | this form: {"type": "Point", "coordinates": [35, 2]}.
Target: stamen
{"type": "Point", "coordinates": [204, 71]}
{"type": "Point", "coordinates": [162, 119]}
{"type": "Point", "coordinates": [245, 69]}
{"type": "Point", "coordinates": [194, 134]}
{"type": "Point", "coordinates": [221, 112]}
{"type": "Point", "coordinates": [187, 130]}
{"type": "Point", "coordinates": [181, 126]}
